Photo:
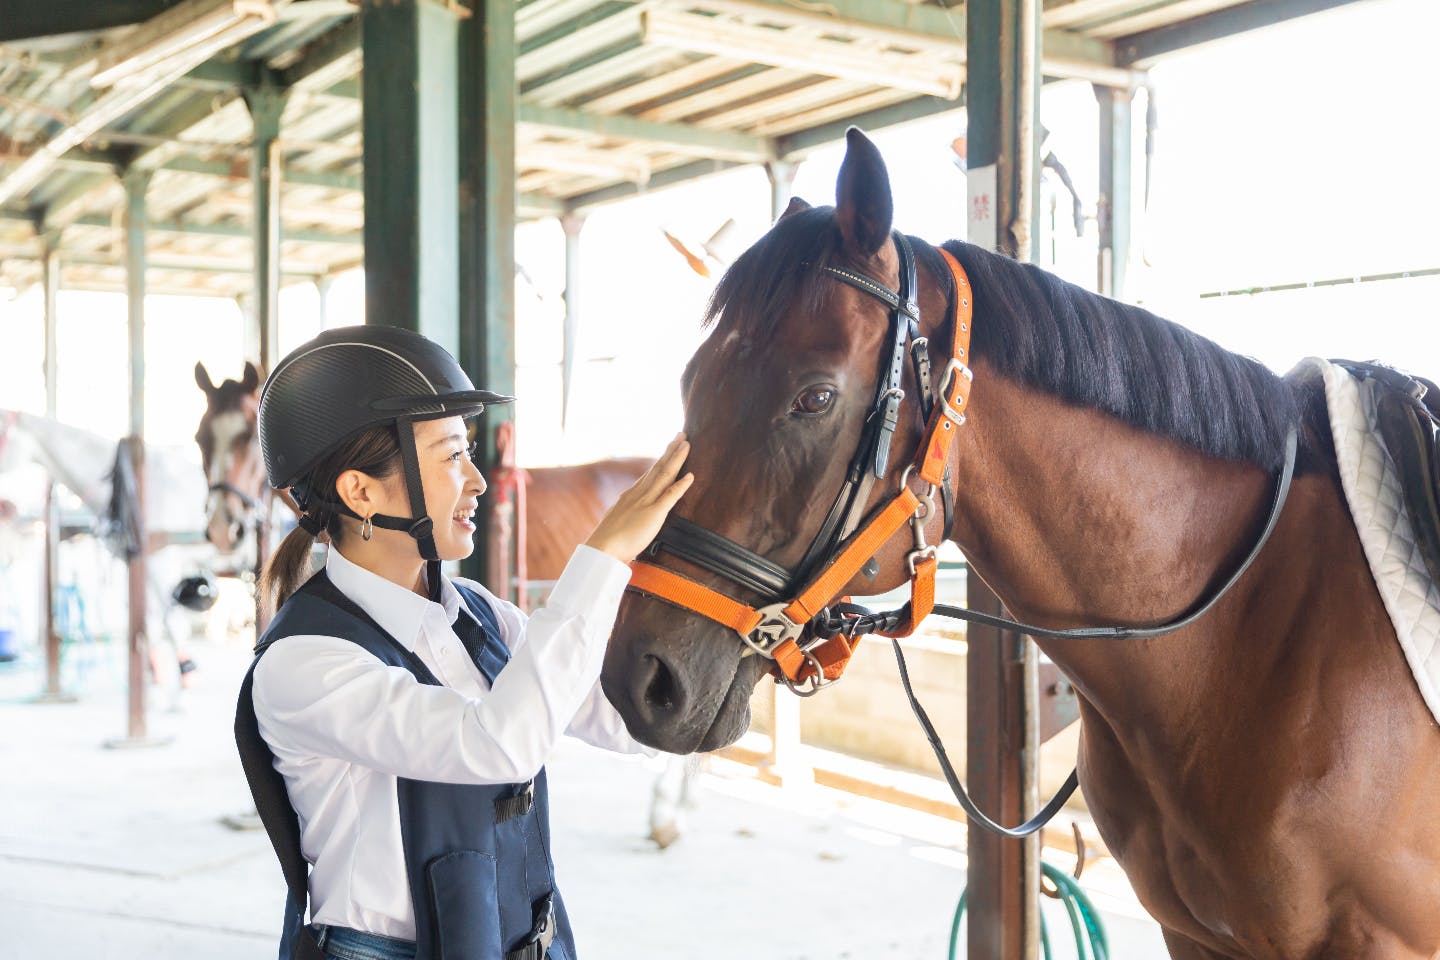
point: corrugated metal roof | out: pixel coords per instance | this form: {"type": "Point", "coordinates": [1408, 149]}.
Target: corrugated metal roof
{"type": "Point", "coordinates": [615, 96]}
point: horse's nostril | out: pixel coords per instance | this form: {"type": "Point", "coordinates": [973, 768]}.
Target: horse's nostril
{"type": "Point", "coordinates": [661, 693]}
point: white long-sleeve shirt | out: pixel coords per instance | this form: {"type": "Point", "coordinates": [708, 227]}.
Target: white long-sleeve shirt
{"type": "Point", "coordinates": [343, 725]}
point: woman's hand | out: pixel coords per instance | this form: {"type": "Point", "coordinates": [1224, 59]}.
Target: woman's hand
{"type": "Point", "coordinates": [630, 525]}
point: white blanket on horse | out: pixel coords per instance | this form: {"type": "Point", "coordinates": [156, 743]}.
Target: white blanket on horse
{"type": "Point", "coordinates": [1372, 485]}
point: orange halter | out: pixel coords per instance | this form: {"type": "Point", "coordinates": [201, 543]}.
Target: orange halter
{"type": "Point", "coordinates": [775, 631]}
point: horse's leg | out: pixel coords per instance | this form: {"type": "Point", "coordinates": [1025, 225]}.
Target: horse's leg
{"type": "Point", "coordinates": [667, 802]}
{"type": "Point", "coordinates": [1183, 948]}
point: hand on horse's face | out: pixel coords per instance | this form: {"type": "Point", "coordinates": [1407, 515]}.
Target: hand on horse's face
{"type": "Point", "coordinates": [635, 519]}
{"type": "Point", "coordinates": [452, 485]}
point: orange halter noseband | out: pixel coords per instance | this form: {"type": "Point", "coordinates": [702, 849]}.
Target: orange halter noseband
{"type": "Point", "coordinates": [776, 630]}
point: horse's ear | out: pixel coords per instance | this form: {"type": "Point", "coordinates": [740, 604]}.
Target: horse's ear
{"type": "Point", "coordinates": [796, 206]}
{"type": "Point", "coordinates": [252, 377]}
{"type": "Point", "coordinates": [863, 207]}
{"type": "Point", "coordinates": [202, 379]}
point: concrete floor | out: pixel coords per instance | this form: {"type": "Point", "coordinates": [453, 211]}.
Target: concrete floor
{"type": "Point", "coordinates": [120, 853]}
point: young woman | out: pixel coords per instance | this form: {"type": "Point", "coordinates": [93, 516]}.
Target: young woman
{"type": "Point", "coordinates": [395, 724]}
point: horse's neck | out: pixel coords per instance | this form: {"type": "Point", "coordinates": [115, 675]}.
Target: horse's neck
{"type": "Point", "coordinates": [1076, 519]}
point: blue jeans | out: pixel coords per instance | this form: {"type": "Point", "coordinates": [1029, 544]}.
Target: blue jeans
{"type": "Point", "coordinates": [342, 943]}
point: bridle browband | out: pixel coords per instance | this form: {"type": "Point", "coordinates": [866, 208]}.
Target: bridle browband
{"type": "Point", "coordinates": [777, 630]}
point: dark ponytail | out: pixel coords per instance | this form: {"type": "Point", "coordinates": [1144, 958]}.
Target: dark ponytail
{"type": "Point", "coordinates": [375, 452]}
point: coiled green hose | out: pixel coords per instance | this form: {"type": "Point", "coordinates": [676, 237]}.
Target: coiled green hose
{"type": "Point", "coordinates": [1090, 940]}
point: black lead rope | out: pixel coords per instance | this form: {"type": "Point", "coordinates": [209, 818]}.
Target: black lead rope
{"type": "Point", "coordinates": [853, 616]}
{"type": "Point", "coordinates": [1030, 826]}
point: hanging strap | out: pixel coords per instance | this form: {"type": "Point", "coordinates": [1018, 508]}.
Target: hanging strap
{"type": "Point", "coordinates": [975, 814]}
{"type": "Point", "coordinates": [272, 803]}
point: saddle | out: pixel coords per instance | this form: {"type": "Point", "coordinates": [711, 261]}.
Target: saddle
{"type": "Point", "coordinates": [1407, 417]}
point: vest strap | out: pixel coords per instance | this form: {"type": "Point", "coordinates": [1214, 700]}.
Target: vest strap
{"type": "Point", "coordinates": [508, 808]}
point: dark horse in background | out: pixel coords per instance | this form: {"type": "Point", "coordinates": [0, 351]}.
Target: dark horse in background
{"type": "Point", "coordinates": [1267, 775]}
{"type": "Point", "coordinates": [237, 503]}
{"type": "Point", "coordinates": [562, 505]}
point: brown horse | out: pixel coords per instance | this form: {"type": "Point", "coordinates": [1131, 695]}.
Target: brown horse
{"type": "Point", "coordinates": [1265, 775]}
{"type": "Point", "coordinates": [563, 505]}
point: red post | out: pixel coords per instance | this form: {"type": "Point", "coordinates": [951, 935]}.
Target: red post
{"type": "Point", "coordinates": [138, 640]}
{"type": "Point", "coordinates": [1002, 877]}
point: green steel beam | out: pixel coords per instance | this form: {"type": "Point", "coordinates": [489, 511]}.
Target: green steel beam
{"type": "Point", "coordinates": [664, 178]}
{"type": "Point", "coordinates": [182, 118]}
{"type": "Point", "coordinates": [596, 14]}
{"type": "Point", "coordinates": [1143, 49]}
{"type": "Point", "coordinates": [215, 75]}
{"type": "Point", "coordinates": [25, 21]}
{"type": "Point", "coordinates": [590, 60]}
{"type": "Point", "coordinates": [227, 230]}
{"type": "Point", "coordinates": [303, 178]}
{"type": "Point", "coordinates": [939, 24]}
{"type": "Point", "coordinates": [183, 265]}
{"type": "Point", "coordinates": [794, 146]}
{"type": "Point", "coordinates": [538, 205]}
{"type": "Point", "coordinates": [690, 139]}
{"type": "Point", "coordinates": [321, 55]}
{"type": "Point", "coordinates": [931, 21]}
{"type": "Point", "coordinates": [488, 109]}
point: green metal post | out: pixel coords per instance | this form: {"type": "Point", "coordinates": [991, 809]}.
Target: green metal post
{"type": "Point", "coordinates": [136, 183]}
{"type": "Point", "coordinates": [50, 276]}
{"type": "Point", "coordinates": [572, 224]}
{"type": "Point", "coordinates": [266, 105]}
{"type": "Point", "coordinates": [486, 286]}
{"type": "Point", "coordinates": [410, 124]}
{"type": "Point", "coordinates": [1003, 877]}
{"type": "Point", "coordinates": [1116, 125]}
{"type": "Point", "coordinates": [781, 174]}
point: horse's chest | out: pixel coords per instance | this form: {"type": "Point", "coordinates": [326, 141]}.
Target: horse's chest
{"type": "Point", "coordinates": [1220, 868]}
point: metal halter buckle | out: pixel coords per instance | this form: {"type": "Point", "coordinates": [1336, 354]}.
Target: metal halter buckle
{"type": "Point", "coordinates": [914, 557]}
{"type": "Point", "coordinates": [926, 506]}
{"type": "Point", "coordinates": [815, 684]}
{"type": "Point", "coordinates": [946, 378]}
{"type": "Point", "coordinates": [773, 629]}
{"type": "Point", "coordinates": [923, 511]}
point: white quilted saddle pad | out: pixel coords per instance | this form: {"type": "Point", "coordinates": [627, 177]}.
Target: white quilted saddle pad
{"type": "Point", "coordinates": [1372, 487]}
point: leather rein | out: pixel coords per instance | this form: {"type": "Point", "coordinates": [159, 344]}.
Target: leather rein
{"type": "Point", "coordinates": [777, 630]}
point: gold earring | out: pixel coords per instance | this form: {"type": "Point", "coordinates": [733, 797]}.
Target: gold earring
{"type": "Point", "coordinates": [366, 529]}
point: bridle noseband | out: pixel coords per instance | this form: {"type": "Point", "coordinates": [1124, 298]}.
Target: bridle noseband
{"type": "Point", "coordinates": [800, 598]}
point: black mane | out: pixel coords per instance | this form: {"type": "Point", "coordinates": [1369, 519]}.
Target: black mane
{"type": "Point", "coordinates": [1125, 361]}
{"type": "Point", "coordinates": [1040, 330]}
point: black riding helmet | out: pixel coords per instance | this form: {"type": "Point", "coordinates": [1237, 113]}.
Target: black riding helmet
{"type": "Point", "coordinates": [349, 379]}
{"type": "Point", "coordinates": [196, 593]}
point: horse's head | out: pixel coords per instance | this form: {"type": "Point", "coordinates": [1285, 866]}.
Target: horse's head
{"type": "Point", "coordinates": [230, 452]}
{"type": "Point", "coordinates": [778, 400]}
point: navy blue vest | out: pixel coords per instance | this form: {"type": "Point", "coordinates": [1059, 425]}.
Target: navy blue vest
{"type": "Point", "coordinates": [477, 857]}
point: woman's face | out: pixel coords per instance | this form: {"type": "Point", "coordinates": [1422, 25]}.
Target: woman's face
{"type": "Point", "coordinates": [452, 483]}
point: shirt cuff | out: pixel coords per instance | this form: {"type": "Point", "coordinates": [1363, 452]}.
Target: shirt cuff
{"type": "Point", "coordinates": [592, 577]}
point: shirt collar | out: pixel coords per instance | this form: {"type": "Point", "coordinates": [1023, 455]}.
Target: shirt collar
{"type": "Point", "coordinates": [398, 611]}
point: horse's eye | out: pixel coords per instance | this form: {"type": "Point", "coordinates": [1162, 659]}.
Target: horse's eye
{"type": "Point", "coordinates": [813, 401]}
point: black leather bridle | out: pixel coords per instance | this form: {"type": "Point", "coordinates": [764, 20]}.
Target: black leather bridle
{"type": "Point", "coordinates": [741, 566]}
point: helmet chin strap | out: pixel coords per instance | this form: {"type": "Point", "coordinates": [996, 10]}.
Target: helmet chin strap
{"type": "Point", "coordinates": [418, 525]}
